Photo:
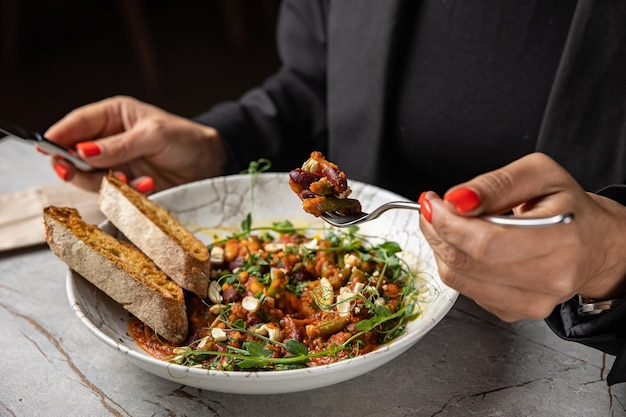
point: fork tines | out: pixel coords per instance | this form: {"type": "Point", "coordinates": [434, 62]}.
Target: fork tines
{"type": "Point", "coordinates": [336, 213]}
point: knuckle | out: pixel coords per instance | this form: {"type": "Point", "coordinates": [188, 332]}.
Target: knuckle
{"type": "Point", "coordinates": [497, 182]}
{"type": "Point", "coordinates": [121, 98]}
{"type": "Point", "coordinates": [119, 149]}
{"type": "Point", "coordinates": [542, 159]}
{"type": "Point", "coordinates": [506, 316]}
{"type": "Point", "coordinates": [559, 287]}
{"type": "Point", "coordinates": [450, 278]}
{"type": "Point", "coordinates": [562, 286]}
{"type": "Point", "coordinates": [538, 310]}
{"type": "Point", "coordinates": [452, 256]}
{"type": "Point", "coordinates": [155, 124]}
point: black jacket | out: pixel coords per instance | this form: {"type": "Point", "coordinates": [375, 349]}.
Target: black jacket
{"type": "Point", "coordinates": [331, 94]}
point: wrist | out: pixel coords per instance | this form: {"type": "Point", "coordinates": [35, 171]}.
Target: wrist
{"type": "Point", "coordinates": [216, 151]}
{"type": "Point", "coordinates": [609, 275]}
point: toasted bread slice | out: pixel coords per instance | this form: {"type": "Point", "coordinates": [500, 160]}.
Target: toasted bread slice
{"type": "Point", "coordinates": [120, 270]}
{"type": "Point", "coordinates": [153, 229]}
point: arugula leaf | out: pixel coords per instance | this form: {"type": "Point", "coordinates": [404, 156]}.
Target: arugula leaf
{"type": "Point", "coordinates": [382, 315]}
{"type": "Point", "coordinates": [284, 227]}
{"type": "Point", "coordinates": [257, 349]}
{"type": "Point", "coordinates": [246, 224]}
{"type": "Point", "coordinates": [296, 348]}
{"type": "Point", "coordinates": [390, 247]}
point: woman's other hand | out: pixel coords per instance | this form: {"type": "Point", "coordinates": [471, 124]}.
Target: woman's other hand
{"type": "Point", "coordinates": [520, 273]}
{"type": "Point", "coordinates": [151, 148]}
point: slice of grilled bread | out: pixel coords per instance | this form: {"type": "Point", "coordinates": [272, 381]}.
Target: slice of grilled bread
{"type": "Point", "coordinates": [154, 230]}
{"type": "Point", "coordinates": [120, 270]}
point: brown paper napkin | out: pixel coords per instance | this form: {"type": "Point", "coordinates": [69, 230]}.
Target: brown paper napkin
{"type": "Point", "coordinates": [21, 219]}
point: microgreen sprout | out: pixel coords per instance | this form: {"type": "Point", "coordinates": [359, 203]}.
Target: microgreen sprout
{"type": "Point", "coordinates": [254, 168]}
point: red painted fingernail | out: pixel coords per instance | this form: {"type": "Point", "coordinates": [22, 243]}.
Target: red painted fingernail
{"type": "Point", "coordinates": [145, 185]}
{"type": "Point", "coordinates": [61, 171]}
{"type": "Point", "coordinates": [41, 151]}
{"type": "Point", "coordinates": [463, 199]}
{"type": "Point", "coordinates": [427, 211]}
{"type": "Point", "coordinates": [89, 148]}
{"type": "Point", "coordinates": [121, 176]}
{"type": "Point", "coordinates": [425, 207]}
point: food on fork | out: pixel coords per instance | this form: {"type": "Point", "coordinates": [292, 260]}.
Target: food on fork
{"type": "Point", "coordinates": [118, 269]}
{"type": "Point", "coordinates": [153, 229]}
{"type": "Point", "coordinates": [322, 187]}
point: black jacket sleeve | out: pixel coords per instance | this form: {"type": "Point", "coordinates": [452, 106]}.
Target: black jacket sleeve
{"type": "Point", "coordinates": [285, 118]}
{"type": "Point", "coordinates": [606, 331]}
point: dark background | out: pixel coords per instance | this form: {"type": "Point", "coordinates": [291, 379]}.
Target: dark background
{"type": "Point", "coordinates": [183, 56]}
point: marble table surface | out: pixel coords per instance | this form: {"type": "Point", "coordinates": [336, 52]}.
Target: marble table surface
{"type": "Point", "coordinates": [471, 364]}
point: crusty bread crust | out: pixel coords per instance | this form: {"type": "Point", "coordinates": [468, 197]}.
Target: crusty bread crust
{"type": "Point", "coordinates": [120, 270]}
{"type": "Point", "coordinates": [153, 229]}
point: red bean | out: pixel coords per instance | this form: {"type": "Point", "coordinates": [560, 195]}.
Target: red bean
{"type": "Point", "coordinates": [335, 178]}
{"type": "Point", "coordinates": [303, 178]}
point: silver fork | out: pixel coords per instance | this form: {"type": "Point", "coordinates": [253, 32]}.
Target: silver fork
{"type": "Point", "coordinates": [339, 219]}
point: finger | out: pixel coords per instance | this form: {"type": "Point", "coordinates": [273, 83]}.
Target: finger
{"type": "Point", "coordinates": [144, 184]}
{"type": "Point", "coordinates": [537, 260]}
{"type": "Point", "coordinates": [530, 177]}
{"type": "Point", "coordinates": [86, 123]}
{"type": "Point", "coordinates": [508, 302]}
{"type": "Point", "coordinates": [490, 244]}
{"type": "Point", "coordinates": [64, 170]}
{"type": "Point", "coordinates": [68, 173]}
{"type": "Point", "coordinates": [142, 140]}
{"type": "Point", "coordinates": [106, 153]}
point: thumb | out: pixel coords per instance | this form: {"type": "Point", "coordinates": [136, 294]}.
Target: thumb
{"type": "Point", "coordinates": [524, 180]}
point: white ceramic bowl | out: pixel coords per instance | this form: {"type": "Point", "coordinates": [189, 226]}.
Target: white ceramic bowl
{"type": "Point", "coordinates": [216, 207]}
